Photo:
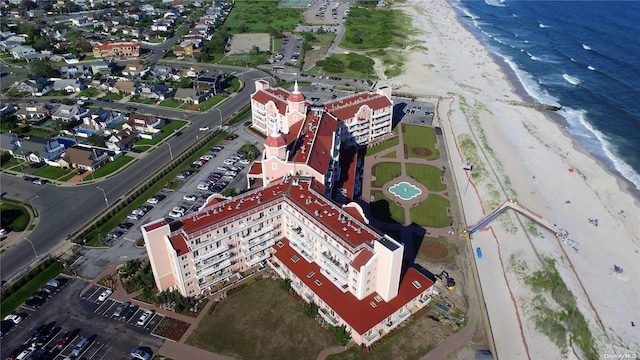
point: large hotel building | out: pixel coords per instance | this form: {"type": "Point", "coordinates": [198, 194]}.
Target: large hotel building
{"type": "Point", "coordinates": [300, 219]}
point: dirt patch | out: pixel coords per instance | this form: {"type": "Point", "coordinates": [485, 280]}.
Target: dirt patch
{"type": "Point", "coordinates": [171, 328]}
{"type": "Point", "coordinates": [420, 151]}
{"type": "Point", "coordinates": [434, 250]}
{"type": "Point", "coordinates": [243, 43]}
{"type": "Point", "coordinates": [314, 55]}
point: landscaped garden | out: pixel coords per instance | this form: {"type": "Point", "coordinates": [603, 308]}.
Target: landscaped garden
{"type": "Point", "coordinates": [385, 172]}
{"type": "Point", "coordinates": [429, 176]}
{"type": "Point", "coordinates": [269, 318]}
{"type": "Point", "coordinates": [173, 103]}
{"type": "Point", "coordinates": [386, 209]}
{"type": "Point", "coordinates": [433, 212]}
{"type": "Point", "coordinates": [385, 145]}
{"type": "Point", "coordinates": [171, 328]}
{"type": "Point", "coordinates": [420, 142]}
{"type": "Point", "coordinates": [113, 96]}
{"type": "Point", "coordinates": [437, 249]}
{"type": "Point", "coordinates": [88, 92]}
{"type": "Point", "coordinates": [138, 100]}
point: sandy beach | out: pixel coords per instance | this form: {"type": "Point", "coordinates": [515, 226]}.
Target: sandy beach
{"type": "Point", "coordinates": [521, 155]}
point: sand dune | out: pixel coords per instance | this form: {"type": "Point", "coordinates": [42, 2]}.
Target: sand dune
{"type": "Point", "coordinates": [520, 154]}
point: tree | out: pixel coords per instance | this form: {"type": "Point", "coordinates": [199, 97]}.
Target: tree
{"type": "Point", "coordinates": [311, 310]}
{"type": "Point", "coordinates": [44, 69]}
{"type": "Point", "coordinates": [286, 284]}
{"type": "Point", "coordinates": [341, 333]}
{"type": "Point", "coordinates": [254, 50]}
{"type": "Point", "coordinates": [96, 140]}
{"type": "Point", "coordinates": [5, 157]}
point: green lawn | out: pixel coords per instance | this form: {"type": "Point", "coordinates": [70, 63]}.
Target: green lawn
{"type": "Point", "coordinates": [432, 212]}
{"type": "Point", "coordinates": [36, 132]}
{"type": "Point", "coordinates": [17, 298]}
{"type": "Point", "coordinates": [172, 103]}
{"type": "Point", "coordinates": [137, 100]}
{"type": "Point", "coordinates": [391, 155]}
{"type": "Point", "coordinates": [88, 92]}
{"type": "Point", "coordinates": [166, 131]}
{"type": "Point", "coordinates": [267, 317]}
{"type": "Point", "coordinates": [385, 209]}
{"type": "Point", "coordinates": [318, 39]}
{"type": "Point", "coordinates": [429, 176]}
{"type": "Point", "coordinates": [11, 163]}
{"type": "Point", "coordinates": [385, 172]}
{"type": "Point", "coordinates": [348, 66]}
{"type": "Point", "coordinates": [372, 28]}
{"type": "Point", "coordinates": [51, 172]}
{"type": "Point", "coordinates": [420, 137]}
{"type": "Point", "coordinates": [210, 102]}
{"type": "Point", "coordinates": [113, 96]}
{"type": "Point", "coordinates": [234, 85]}
{"type": "Point", "coordinates": [14, 217]}
{"type": "Point", "coordinates": [110, 167]}
{"type": "Point", "coordinates": [258, 16]}
{"type": "Point", "coordinates": [385, 145]}
{"type": "Point", "coordinates": [67, 177]}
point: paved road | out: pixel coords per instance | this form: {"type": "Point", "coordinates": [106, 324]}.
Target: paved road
{"type": "Point", "coordinates": [64, 210]}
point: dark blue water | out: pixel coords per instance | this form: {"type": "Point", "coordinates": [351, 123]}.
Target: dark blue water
{"type": "Point", "coordinates": [582, 55]}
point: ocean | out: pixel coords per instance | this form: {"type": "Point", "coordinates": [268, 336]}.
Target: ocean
{"type": "Point", "coordinates": [581, 55]}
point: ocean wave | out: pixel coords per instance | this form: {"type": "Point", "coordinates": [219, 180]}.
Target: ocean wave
{"type": "Point", "coordinates": [543, 25]}
{"type": "Point", "coordinates": [571, 79]}
{"type": "Point", "coordinates": [530, 85]}
{"type": "Point", "coordinates": [591, 68]}
{"type": "Point", "coordinates": [586, 47]}
{"type": "Point", "coordinates": [469, 14]}
{"type": "Point", "coordinates": [498, 3]}
{"type": "Point", "coordinates": [597, 142]}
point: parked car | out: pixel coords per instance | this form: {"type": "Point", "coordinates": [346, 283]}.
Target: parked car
{"type": "Point", "coordinates": [81, 171]}
{"type": "Point", "coordinates": [146, 316]}
{"type": "Point", "coordinates": [56, 283]}
{"type": "Point", "coordinates": [207, 157]}
{"type": "Point", "coordinates": [47, 335]}
{"type": "Point", "coordinates": [39, 181]}
{"type": "Point", "coordinates": [204, 128]}
{"type": "Point", "coordinates": [125, 226]}
{"type": "Point", "coordinates": [15, 318]}
{"type": "Point", "coordinates": [175, 214]}
{"type": "Point", "coordinates": [118, 311]}
{"type": "Point", "coordinates": [134, 217]}
{"type": "Point", "coordinates": [79, 348]}
{"type": "Point", "coordinates": [222, 168]}
{"type": "Point", "coordinates": [66, 338]}
{"type": "Point", "coordinates": [179, 209]}
{"type": "Point", "coordinates": [115, 234]}
{"type": "Point", "coordinates": [247, 123]}
{"type": "Point", "coordinates": [105, 294]}
{"type": "Point", "coordinates": [6, 326]}
{"type": "Point", "coordinates": [231, 137]}
{"type": "Point", "coordinates": [141, 354]}
{"type": "Point", "coordinates": [48, 289]}
{"type": "Point", "coordinates": [189, 197]}
{"type": "Point", "coordinates": [229, 162]}
{"type": "Point", "coordinates": [128, 312]}
{"type": "Point", "coordinates": [217, 148]}
{"type": "Point", "coordinates": [153, 200]}
{"type": "Point", "coordinates": [240, 152]}
{"type": "Point", "coordinates": [244, 162]}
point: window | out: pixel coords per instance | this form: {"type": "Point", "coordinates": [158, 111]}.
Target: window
{"type": "Point", "coordinates": [416, 284]}
{"type": "Point", "coordinates": [274, 166]}
{"type": "Point", "coordinates": [318, 282]}
{"type": "Point", "coordinates": [373, 304]}
{"type": "Point", "coordinates": [295, 258]}
{"type": "Point", "coordinates": [310, 274]}
{"type": "Point", "coordinates": [378, 298]}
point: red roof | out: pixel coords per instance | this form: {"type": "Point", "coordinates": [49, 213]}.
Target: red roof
{"type": "Point", "coordinates": [345, 185]}
{"type": "Point", "coordinates": [278, 96]}
{"type": "Point", "coordinates": [275, 141]}
{"type": "Point", "coordinates": [359, 314]}
{"type": "Point", "coordinates": [155, 225]}
{"type": "Point", "coordinates": [346, 108]}
{"type": "Point", "coordinates": [116, 46]}
{"type": "Point", "coordinates": [361, 259]}
{"type": "Point", "coordinates": [179, 244]}
{"type": "Point", "coordinates": [256, 168]}
{"type": "Point", "coordinates": [322, 145]}
{"type": "Point", "coordinates": [352, 209]}
{"type": "Point", "coordinates": [295, 97]}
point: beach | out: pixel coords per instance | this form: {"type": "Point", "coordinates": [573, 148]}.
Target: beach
{"type": "Point", "coordinates": [521, 155]}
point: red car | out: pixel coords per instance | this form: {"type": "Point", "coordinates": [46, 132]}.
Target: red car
{"type": "Point", "coordinates": [66, 338]}
{"type": "Point", "coordinates": [231, 137]}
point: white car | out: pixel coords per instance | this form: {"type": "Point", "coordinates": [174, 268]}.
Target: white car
{"type": "Point", "coordinates": [245, 162]}
{"type": "Point", "coordinates": [179, 209]}
{"type": "Point", "coordinates": [133, 216]}
{"type": "Point", "coordinates": [207, 157]}
{"type": "Point", "coordinates": [189, 197]}
{"type": "Point", "coordinates": [229, 162]}
{"type": "Point", "coordinates": [140, 354]}
{"type": "Point", "coordinates": [204, 128]}
{"type": "Point", "coordinates": [153, 200]}
{"type": "Point", "coordinates": [146, 316]}
{"type": "Point", "coordinates": [15, 318]}
{"type": "Point", "coordinates": [105, 294]}
{"type": "Point", "coordinates": [175, 215]}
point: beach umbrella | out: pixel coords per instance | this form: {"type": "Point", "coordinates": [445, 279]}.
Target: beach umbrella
{"type": "Point", "coordinates": [571, 170]}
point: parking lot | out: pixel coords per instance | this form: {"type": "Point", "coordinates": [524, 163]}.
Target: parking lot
{"type": "Point", "coordinates": [415, 112]}
{"type": "Point", "coordinates": [108, 338]}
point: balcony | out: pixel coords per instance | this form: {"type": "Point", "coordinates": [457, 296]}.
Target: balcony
{"type": "Point", "coordinates": [424, 301]}
{"type": "Point", "coordinates": [207, 264]}
{"type": "Point", "coordinates": [339, 281]}
{"type": "Point", "coordinates": [396, 320]}
{"type": "Point", "coordinates": [371, 338]}
{"type": "Point", "coordinates": [215, 280]}
{"type": "Point", "coordinates": [257, 259]}
{"type": "Point", "coordinates": [246, 239]}
{"type": "Point", "coordinates": [258, 247]}
{"type": "Point", "coordinates": [214, 252]}
{"type": "Point", "coordinates": [297, 287]}
{"type": "Point", "coordinates": [332, 320]}
{"type": "Point", "coordinates": [301, 250]}
{"type": "Point", "coordinates": [213, 269]}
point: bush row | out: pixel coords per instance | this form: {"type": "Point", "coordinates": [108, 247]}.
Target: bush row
{"type": "Point", "coordinates": [18, 284]}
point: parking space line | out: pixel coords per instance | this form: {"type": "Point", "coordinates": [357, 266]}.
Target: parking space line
{"type": "Point", "coordinates": [99, 306]}
{"type": "Point", "coordinates": [99, 347]}
{"type": "Point", "coordinates": [113, 302]}
{"type": "Point", "coordinates": [105, 353]}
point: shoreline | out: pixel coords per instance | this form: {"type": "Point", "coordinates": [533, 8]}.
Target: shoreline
{"type": "Point", "coordinates": [518, 156]}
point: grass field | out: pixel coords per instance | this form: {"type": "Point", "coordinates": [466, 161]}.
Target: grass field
{"type": "Point", "coordinates": [113, 96]}
{"type": "Point", "coordinates": [371, 28]}
{"type": "Point", "coordinates": [11, 163]}
{"type": "Point", "coordinates": [385, 145]}
{"type": "Point", "coordinates": [51, 172]}
{"type": "Point", "coordinates": [67, 177]}
{"type": "Point", "coordinates": [385, 172]}
{"type": "Point", "coordinates": [138, 100]}
{"type": "Point", "coordinates": [385, 209]}
{"type": "Point", "coordinates": [14, 217]}
{"type": "Point", "coordinates": [110, 167]}
{"type": "Point", "coordinates": [266, 316]}
{"type": "Point", "coordinates": [88, 92]}
{"type": "Point", "coordinates": [433, 212]}
{"type": "Point", "coordinates": [16, 299]}
{"type": "Point", "coordinates": [420, 137]}
{"type": "Point", "coordinates": [210, 102]}
{"type": "Point", "coordinates": [258, 16]}
{"type": "Point", "coordinates": [234, 85]}
{"type": "Point", "coordinates": [429, 176]}
{"type": "Point", "coordinates": [348, 66]}
{"type": "Point", "coordinates": [36, 132]}
{"type": "Point", "coordinates": [167, 130]}
{"type": "Point", "coordinates": [173, 103]}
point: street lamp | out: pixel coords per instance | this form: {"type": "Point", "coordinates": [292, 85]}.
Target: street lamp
{"type": "Point", "coordinates": [35, 213]}
{"type": "Point", "coordinates": [33, 247]}
{"type": "Point", "coordinates": [170, 152]}
{"type": "Point", "coordinates": [105, 195]}
{"type": "Point", "coordinates": [219, 112]}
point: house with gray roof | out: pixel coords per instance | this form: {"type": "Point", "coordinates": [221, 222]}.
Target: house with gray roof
{"type": "Point", "coordinates": [69, 85]}
{"type": "Point", "coordinates": [68, 113]}
{"type": "Point", "coordinates": [35, 149]}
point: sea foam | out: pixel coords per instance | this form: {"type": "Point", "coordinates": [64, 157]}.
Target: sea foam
{"type": "Point", "coordinates": [571, 79]}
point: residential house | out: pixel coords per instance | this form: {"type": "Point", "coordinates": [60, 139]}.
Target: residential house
{"type": "Point", "coordinates": [32, 113]}
{"type": "Point", "coordinates": [144, 123]}
{"type": "Point", "coordinates": [80, 157]}
{"type": "Point", "coordinates": [73, 71]}
{"type": "Point", "coordinates": [163, 26]}
{"type": "Point", "coordinates": [214, 85]}
{"type": "Point", "coordinates": [193, 72]}
{"type": "Point", "coordinates": [6, 109]}
{"type": "Point", "coordinates": [67, 113]}
{"type": "Point", "coordinates": [190, 96]}
{"type": "Point", "coordinates": [9, 142]}
{"type": "Point", "coordinates": [121, 139]}
{"type": "Point", "coordinates": [35, 87]}
{"type": "Point", "coordinates": [70, 59]}
{"type": "Point", "coordinates": [22, 51]}
{"type": "Point", "coordinates": [124, 87]}
{"type": "Point", "coordinates": [122, 50]}
{"type": "Point", "coordinates": [134, 70]}
{"type": "Point", "coordinates": [101, 66]}
{"type": "Point", "coordinates": [164, 73]}
{"type": "Point", "coordinates": [99, 122]}
{"type": "Point", "coordinates": [160, 92]}
{"type": "Point", "coordinates": [35, 149]}
{"type": "Point", "coordinates": [81, 21]}
{"type": "Point", "coordinates": [189, 50]}
{"type": "Point", "coordinates": [69, 85]}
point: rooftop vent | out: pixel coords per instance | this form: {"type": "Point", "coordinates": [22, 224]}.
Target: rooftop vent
{"type": "Point", "coordinates": [318, 282]}
{"type": "Point", "coordinates": [311, 273]}
{"type": "Point", "coordinates": [295, 258]}
{"type": "Point", "coordinates": [416, 284]}
{"type": "Point", "coordinates": [378, 298]}
{"type": "Point", "coordinates": [373, 304]}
